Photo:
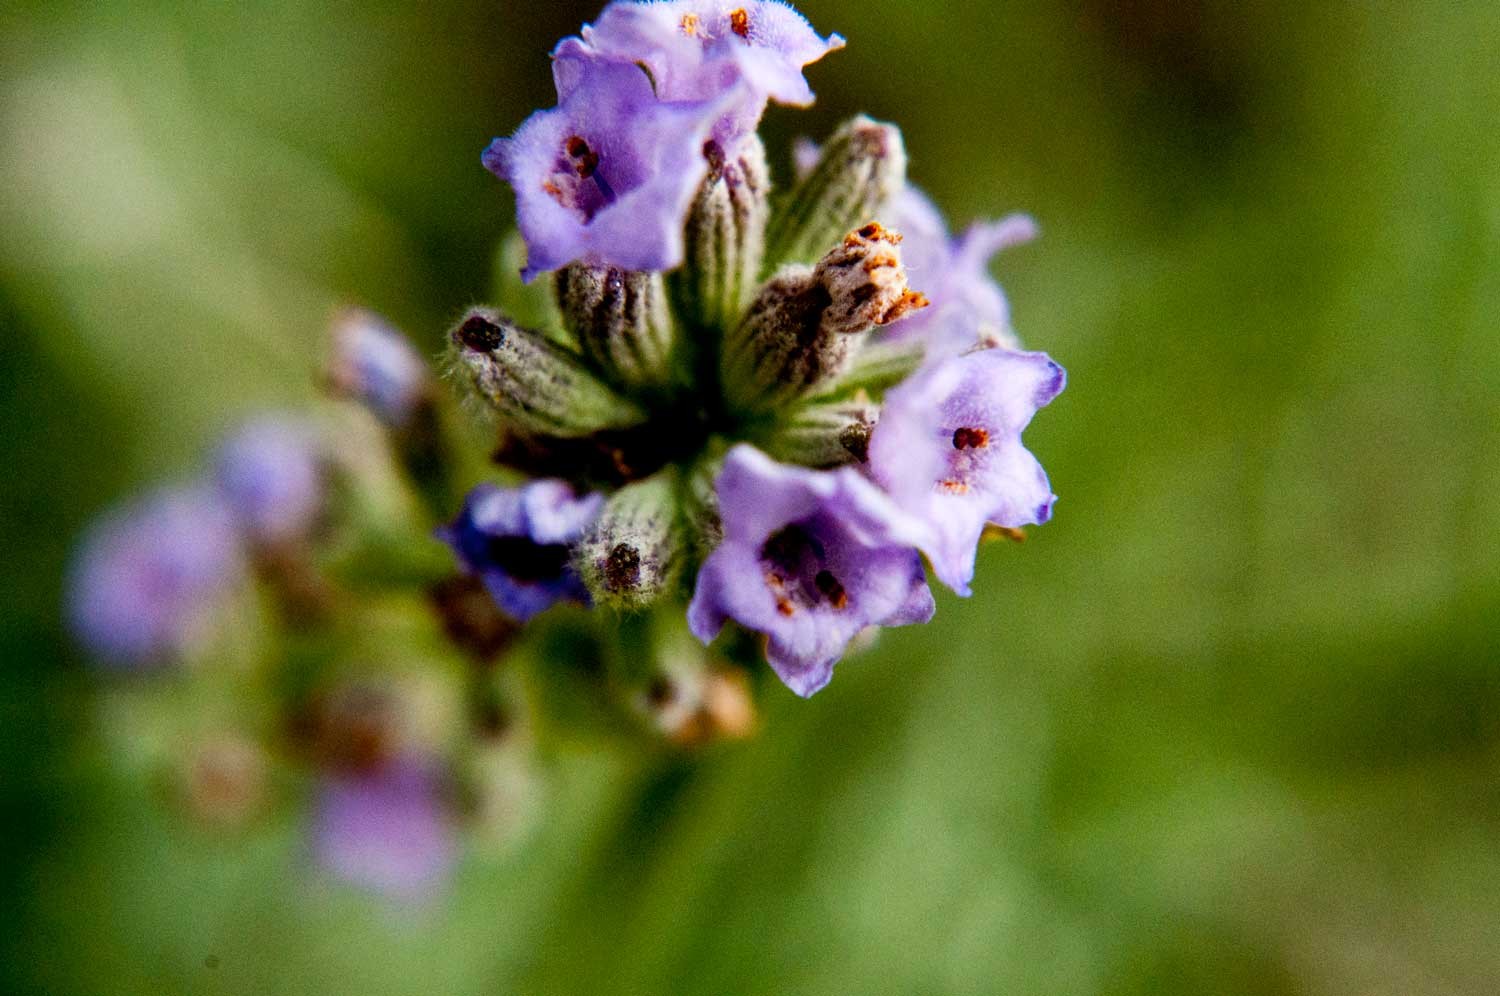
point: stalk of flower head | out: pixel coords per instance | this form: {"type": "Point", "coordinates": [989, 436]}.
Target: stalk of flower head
{"type": "Point", "coordinates": [727, 432]}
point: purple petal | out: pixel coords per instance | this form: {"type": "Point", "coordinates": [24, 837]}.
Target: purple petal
{"type": "Point", "coordinates": [607, 176]}
{"type": "Point", "coordinates": [270, 474]}
{"type": "Point", "coordinates": [694, 49]}
{"type": "Point", "coordinates": [948, 450]}
{"type": "Point", "coordinates": [967, 306]}
{"type": "Point", "coordinates": [387, 830]}
{"type": "Point", "coordinates": [519, 542]}
{"type": "Point", "coordinates": [809, 559]}
{"type": "Point", "coordinates": [376, 365]}
{"type": "Point", "coordinates": [149, 579]}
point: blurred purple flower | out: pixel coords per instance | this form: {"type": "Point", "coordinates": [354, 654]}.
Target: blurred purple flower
{"type": "Point", "coordinates": [948, 450]}
{"type": "Point", "coordinates": [809, 559]}
{"type": "Point", "coordinates": [519, 541]}
{"type": "Point", "coordinates": [388, 829]}
{"type": "Point", "coordinates": [150, 578]}
{"type": "Point", "coordinates": [375, 365]}
{"type": "Point", "coordinates": [699, 50]}
{"type": "Point", "coordinates": [967, 307]}
{"type": "Point", "coordinates": [605, 177]}
{"type": "Point", "coordinates": [271, 476]}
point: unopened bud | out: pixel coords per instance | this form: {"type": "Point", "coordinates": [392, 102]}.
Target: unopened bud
{"type": "Point", "coordinates": [372, 363]}
{"type": "Point", "coordinates": [806, 326]}
{"type": "Point", "coordinates": [634, 554]}
{"type": "Point", "coordinates": [825, 435]}
{"type": "Point", "coordinates": [726, 234]}
{"type": "Point", "coordinates": [621, 321]}
{"type": "Point", "coordinates": [859, 169]}
{"type": "Point", "coordinates": [700, 507]}
{"type": "Point", "coordinates": [866, 282]}
{"type": "Point", "coordinates": [533, 384]}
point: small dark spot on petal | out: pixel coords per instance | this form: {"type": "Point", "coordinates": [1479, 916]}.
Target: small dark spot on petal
{"type": "Point", "coordinates": [739, 22]}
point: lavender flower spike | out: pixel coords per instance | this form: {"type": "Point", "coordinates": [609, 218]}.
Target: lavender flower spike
{"type": "Point", "coordinates": [967, 305]}
{"type": "Point", "coordinates": [150, 578]}
{"type": "Point", "coordinates": [607, 176]}
{"type": "Point", "coordinates": [698, 49]}
{"type": "Point", "coordinates": [809, 559]}
{"type": "Point", "coordinates": [387, 830]}
{"type": "Point", "coordinates": [948, 450]}
{"type": "Point", "coordinates": [519, 541]}
{"type": "Point", "coordinates": [271, 476]}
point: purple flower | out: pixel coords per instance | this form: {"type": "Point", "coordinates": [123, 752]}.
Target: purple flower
{"type": "Point", "coordinates": [948, 449]}
{"type": "Point", "coordinates": [967, 305]}
{"type": "Point", "coordinates": [519, 541]}
{"type": "Point", "coordinates": [607, 176]}
{"type": "Point", "coordinates": [374, 364]}
{"type": "Point", "coordinates": [150, 579]}
{"type": "Point", "coordinates": [388, 829]}
{"type": "Point", "coordinates": [809, 559]}
{"type": "Point", "coordinates": [271, 476]}
{"type": "Point", "coordinates": [698, 50]}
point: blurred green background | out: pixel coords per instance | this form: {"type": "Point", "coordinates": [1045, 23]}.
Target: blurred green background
{"type": "Point", "coordinates": [1230, 725]}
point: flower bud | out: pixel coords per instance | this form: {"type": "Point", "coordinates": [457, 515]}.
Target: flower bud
{"type": "Point", "coordinates": [860, 168]}
{"type": "Point", "coordinates": [621, 321]}
{"type": "Point", "coordinates": [700, 507]}
{"type": "Point", "coordinates": [825, 435]}
{"type": "Point", "coordinates": [372, 363]}
{"type": "Point", "coordinates": [805, 327]}
{"type": "Point", "coordinates": [532, 384]}
{"type": "Point", "coordinates": [634, 554]}
{"type": "Point", "coordinates": [271, 476]}
{"type": "Point", "coordinates": [726, 234]}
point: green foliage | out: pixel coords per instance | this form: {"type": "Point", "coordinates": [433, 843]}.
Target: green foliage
{"type": "Point", "coordinates": [1227, 725]}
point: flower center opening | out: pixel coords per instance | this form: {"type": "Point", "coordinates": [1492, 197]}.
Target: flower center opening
{"type": "Point", "coordinates": [970, 439]}
{"type": "Point", "coordinates": [970, 451]}
{"type": "Point", "coordinates": [797, 575]}
{"type": "Point", "coordinates": [585, 159]}
{"type": "Point", "coordinates": [525, 561]}
{"type": "Point", "coordinates": [739, 22]}
{"type": "Point", "coordinates": [578, 183]}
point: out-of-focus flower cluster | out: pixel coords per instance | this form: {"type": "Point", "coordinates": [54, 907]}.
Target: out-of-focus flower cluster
{"type": "Point", "coordinates": [709, 410]}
